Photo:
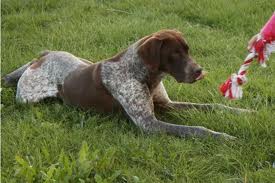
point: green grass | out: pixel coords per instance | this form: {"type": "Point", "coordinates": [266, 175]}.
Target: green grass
{"type": "Point", "coordinates": [51, 142]}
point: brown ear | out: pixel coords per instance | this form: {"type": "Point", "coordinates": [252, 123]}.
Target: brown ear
{"type": "Point", "coordinates": [149, 51]}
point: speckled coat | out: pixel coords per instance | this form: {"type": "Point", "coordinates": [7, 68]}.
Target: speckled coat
{"type": "Point", "coordinates": [129, 81]}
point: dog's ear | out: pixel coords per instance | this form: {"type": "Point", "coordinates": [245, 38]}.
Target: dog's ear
{"type": "Point", "coordinates": [149, 51]}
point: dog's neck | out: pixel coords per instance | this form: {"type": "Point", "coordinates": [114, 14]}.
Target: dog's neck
{"type": "Point", "coordinates": [129, 64]}
{"type": "Point", "coordinates": [139, 70]}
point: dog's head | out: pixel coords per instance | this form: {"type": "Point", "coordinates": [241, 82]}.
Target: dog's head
{"type": "Point", "coordinates": [167, 51]}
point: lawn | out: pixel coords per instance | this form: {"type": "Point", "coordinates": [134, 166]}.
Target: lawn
{"type": "Point", "coordinates": [52, 142]}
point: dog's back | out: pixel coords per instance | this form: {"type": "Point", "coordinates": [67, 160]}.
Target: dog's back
{"type": "Point", "coordinates": [39, 78]}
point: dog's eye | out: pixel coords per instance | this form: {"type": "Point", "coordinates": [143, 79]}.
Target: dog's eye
{"type": "Point", "coordinates": [177, 53]}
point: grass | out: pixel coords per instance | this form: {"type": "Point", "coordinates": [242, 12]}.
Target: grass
{"type": "Point", "coordinates": [51, 142]}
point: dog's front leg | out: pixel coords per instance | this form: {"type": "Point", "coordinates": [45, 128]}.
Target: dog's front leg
{"type": "Point", "coordinates": [138, 104]}
{"type": "Point", "coordinates": [151, 124]}
{"type": "Point", "coordinates": [162, 101]}
{"type": "Point", "coordinates": [209, 107]}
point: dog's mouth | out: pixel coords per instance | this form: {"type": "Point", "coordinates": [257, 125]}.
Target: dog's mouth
{"type": "Point", "coordinates": [201, 75]}
{"type": "Point", "coordinates": [191, 79]}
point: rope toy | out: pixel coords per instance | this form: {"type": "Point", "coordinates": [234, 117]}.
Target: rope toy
{"type": "Point", "coordinates": [260, 50]}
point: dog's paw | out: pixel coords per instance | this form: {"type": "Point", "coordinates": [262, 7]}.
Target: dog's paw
{"type": "Point", "coordinates": [240, 110]}
{"type": "Point", "coordinates": [247, 111]}
{"type": "Point", "coordinates": [227, 137]}
{"type": "Point", "coordinates": [224, 136]}
{"type": "Point", "coordinates": [233, 109]}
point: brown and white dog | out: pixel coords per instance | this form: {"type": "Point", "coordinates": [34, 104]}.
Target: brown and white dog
{"type": "Point", "coordinates": [129, 81]}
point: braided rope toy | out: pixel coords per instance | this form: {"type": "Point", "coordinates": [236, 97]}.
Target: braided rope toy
{"type": "Point", "coordinates": [261, 49]}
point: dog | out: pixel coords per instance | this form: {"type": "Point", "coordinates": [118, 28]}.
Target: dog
{"type": "Point", "coordinates": [131, 81]}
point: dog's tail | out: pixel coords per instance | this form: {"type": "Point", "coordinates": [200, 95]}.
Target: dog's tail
{"type": "Point", "coordinates": [12, 78]}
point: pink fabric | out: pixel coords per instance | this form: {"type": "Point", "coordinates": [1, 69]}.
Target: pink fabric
{"type": "Point", "coordinates": [268, 31]}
